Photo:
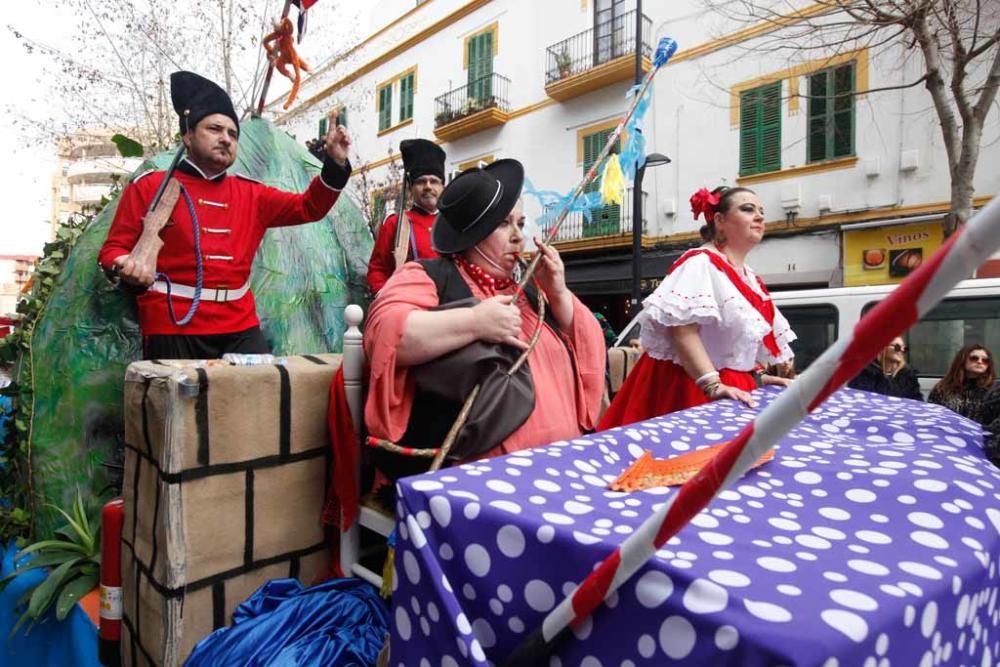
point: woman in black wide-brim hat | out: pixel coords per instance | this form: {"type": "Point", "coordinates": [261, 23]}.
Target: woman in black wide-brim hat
{"type": "Point", "coordinates": [479, 233]}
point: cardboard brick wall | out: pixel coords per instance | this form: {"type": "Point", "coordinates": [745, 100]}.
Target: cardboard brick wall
{"type": "Point", "coordinates": [225, 471]}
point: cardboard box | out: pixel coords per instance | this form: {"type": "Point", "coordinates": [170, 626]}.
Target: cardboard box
{"type": "Point", "coordinates": [225, 477]}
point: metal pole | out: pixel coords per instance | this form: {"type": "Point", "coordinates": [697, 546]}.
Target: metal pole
{"type": "Point", "coordinates": [637, 183]}
{"type": "Point", "coordinates": [270, 69]}
{"type": "Point", "coordinates": [636, 241]}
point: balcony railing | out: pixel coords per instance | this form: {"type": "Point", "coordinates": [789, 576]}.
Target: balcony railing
{"type": "Point", "coordinates": [601, 44]}
{"type": "Point", "coordinates": [608, 221]}
{"type": "Point", "coordinates": [488, 92]}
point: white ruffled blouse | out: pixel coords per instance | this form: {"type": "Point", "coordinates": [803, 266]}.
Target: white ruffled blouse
{"type": "Point", "coordinates": [731, 329]}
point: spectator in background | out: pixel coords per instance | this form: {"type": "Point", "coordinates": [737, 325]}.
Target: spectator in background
{"type": "Point", "coordinates": [964, 387]}
{"type": "Point", "coordinates": [991, 424]}
{"type": "Point", "coordinates": [606, 329]}
{"type": "Point", "coordinates": [888, 374]}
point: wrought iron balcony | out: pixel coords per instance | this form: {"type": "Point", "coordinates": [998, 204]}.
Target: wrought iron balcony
{"type": "Point", "coordinates": [612, 222]}
{"type": "Point", "coordinates": [596, 58]}
{"type": "Point", "coordinates": [478, 105]}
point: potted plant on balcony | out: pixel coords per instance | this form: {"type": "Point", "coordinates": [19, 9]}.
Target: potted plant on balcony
{"type": "Point", "coordinates": [444, 116]}
{"type": "Point", "coordinates": [564, 63]}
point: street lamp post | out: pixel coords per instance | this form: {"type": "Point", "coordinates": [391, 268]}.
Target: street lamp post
{"type": "Point", "coordinates": [652, 160]}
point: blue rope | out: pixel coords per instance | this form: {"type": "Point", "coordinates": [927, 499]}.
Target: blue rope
{"type": "Point", "coordinates": [193, 308]}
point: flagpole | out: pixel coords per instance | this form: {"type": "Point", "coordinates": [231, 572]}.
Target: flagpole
{"type": "Point", "coordinates": [270, 67]}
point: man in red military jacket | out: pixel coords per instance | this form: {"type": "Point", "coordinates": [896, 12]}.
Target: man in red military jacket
{"type": "Point", "coordinates": [423, 173]}
{"type": "Point", "coordinates": [232, 212]}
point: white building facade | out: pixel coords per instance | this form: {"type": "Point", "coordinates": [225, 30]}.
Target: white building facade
{"type": "Point", "coordinates": [854, 182]}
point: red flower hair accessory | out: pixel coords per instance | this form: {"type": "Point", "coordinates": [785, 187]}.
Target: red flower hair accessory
{"type": "Point", "coordinates": [704, 202]}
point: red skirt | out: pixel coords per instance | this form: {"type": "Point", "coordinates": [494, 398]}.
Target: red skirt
{"type": "Point", "coordinates": [656, 387]}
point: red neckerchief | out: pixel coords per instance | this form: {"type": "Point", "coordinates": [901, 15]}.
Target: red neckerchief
{"type": "Point", "coordinates": [487, 282]}
{"type": "Point", "coordinates": [763, 306]}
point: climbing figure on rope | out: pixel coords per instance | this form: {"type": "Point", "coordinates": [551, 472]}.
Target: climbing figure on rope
{"type": "Point", "coordinates": [200, 254]}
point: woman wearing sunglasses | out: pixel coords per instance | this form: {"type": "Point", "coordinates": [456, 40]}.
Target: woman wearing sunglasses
{"type": "Point", "coordinates": [963, 389]}
{"type": "Point", "coordinates": [888, 374]}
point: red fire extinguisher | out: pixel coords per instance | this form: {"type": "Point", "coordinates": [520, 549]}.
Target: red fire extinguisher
{"type": "Point", "coordinates": [110, 631]}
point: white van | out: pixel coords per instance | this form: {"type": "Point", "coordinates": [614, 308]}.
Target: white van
{"type": "Point", "coordinates": [969, 314]}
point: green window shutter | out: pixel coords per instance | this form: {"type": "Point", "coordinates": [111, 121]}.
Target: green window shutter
{"type": "Point", "coordinates": [831, 113]}
{"type": "Point", "coordinates": [760, 129]}
{"type": "Point", "coordinates": [384, 107]}
{"type": "Point", "coordinates": [342, 116]}
{"type": "Point", "coordinates": [480, 70]}
{"type": "Point", "coordinates": [406, 97]}
{"type": "Point", "coordinates": [605, 220]}
{"type": "Point", "coordinates": [324, 126]}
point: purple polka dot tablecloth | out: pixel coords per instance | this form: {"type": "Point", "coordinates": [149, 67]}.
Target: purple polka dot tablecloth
{"type": "Point", "coordinates": [872, 538]}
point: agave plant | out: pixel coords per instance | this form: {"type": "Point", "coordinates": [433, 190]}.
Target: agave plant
{"type": "Point", "coordinates": [74, 560]}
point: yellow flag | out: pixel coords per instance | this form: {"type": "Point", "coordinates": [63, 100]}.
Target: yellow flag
{"type": "Point", "coordinates": [612, 181]}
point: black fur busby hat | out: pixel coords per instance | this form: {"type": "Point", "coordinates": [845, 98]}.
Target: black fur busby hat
{"type": "Point", "coordinates": [195, 97]}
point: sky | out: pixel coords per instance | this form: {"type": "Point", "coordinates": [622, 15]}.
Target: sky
{"type": "Point", "coordinates": [27, 170]}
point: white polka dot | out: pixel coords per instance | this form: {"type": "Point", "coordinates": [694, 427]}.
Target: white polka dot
{"type": "Point", "coordinates": [808, 478]}
{"type": "Point", "coordinates": [584, 538]}
{"type": "Point", "coordinates": [704, 597]}
{"type": "Point", "coordinates": [484, 632]}
{"type": "Point", "coordinates": [547, 485]}
{"type": "Point", "coordinates": [929, 539]}
{"type": "Point", "coordinates": [424, 520]}
{"type": "Point", "coordinates": [788, 589]}
{"type": "Point", "coordinates": [403, 627]}
{"type": "Point", "coordinates": [894, 591]}
{"type": "Point", "coordinates": [853, 599]}
{"type": "Point", "coordinates": [704, 520]}
{"type": "Point", "coordinates": [812, 542]}
{"type": "Point", "coordinates": [677, 637]}
{"type": "Point", "coordinates": [784, 524]}
{"type": "Point", "coordinates": [726, 638]}
{"type": "Point", "coordinates": [925, 520]}
{"type": "Point", "coordinates": [653, 588]}
{"type": "Point", "coordinates": [850, 624]}
{"type": "Point", "coordinates": [558, 519]}
{"type": "Point", "coordinates": [829, 533]}
{"type": "Point", "coordinates": [411, 567]}
{"type": "Point", "coordinates": [928, 619]}
{"type": "Point", "coordinates": [835, 576]}
{"type": "Point", "coordinates": [501, 486]}
{"type": "Point", "coordinates": [476, 649]}
{"type": "Point", "coordinates": [573, 507]}
{"type": "Point", "coordinates": [477, 559]}
{"type": "Point", "coordinates": [545, 534]}
{"type": "Point", "coordinates": [539, 595]}
{"type": "Point", "coordinates": [920, 570]}
{"type": "Point", "coordinates": [868, 567]}
{"type": "Point", "coordinates": [716, 539]}
{"type": "Point", "coordinates": [834, 513]}
{"type": "Point", "coordinates": [417, 537]}
{"type": "Point", "coordinates": [873, 537]}
{"type": "Point", "coordinates": [506, 506]}
{"type": "Point", "coordinates": [751, 491]}
{"type": "Point", "coordinates": [861, 496]}
{"type": "Point", "coordinates": [931, 485]}
{"type": "Point", "coordinates": [510, 540]}
{"type": "Point", "coordinates": [462, 623]}
{"type": "Point", "coordinates": [471, 511]}
{"type": "Point", "coordinates": [646, 646]}
{"type": "Point", "coordinates": [426, 485]}
{"type": "Point", "coordinates": [775, 564]}
{"type": "Point", "coordinates": [448, 661]}
{"type": "Point", "coordinates": [768, 611]}
{"type": "Point", "coordinates": [729, 578]}
{"type": "Point", "coordinates": [515, 624]}
{"type": "Point", "coordinates": [911, 588]}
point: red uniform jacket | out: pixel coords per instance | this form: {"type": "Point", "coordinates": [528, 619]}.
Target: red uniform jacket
{"type": "Point", "coordinates": [233, 214]}
{"type": "Point", "coordinates": [382, 264]}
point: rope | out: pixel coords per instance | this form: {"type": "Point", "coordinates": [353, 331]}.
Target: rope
{"type": "Point", "coordinates": [199, 269]}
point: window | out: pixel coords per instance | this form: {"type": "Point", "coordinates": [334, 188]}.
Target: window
{"type": "Point", "coordinates": [604, 221]}
{"type": "Point", "coordinates": [324, 126]}
{"type": "Point", "coordinates": [385, 107]}
{"type": "Point", "coordinates": [760, 129]}
{"type": "Point", "coordinates": [816, 328]}
{"type": "Point", "coordinates": [612, 37]}
{"type": "Point", "coordinates": [831, 113]}
{"type": "Point", "coordinates": [952, 324]}
{"type": "Point", "coordinates": [479, 53]}
{"type": "Point", "coordinates": [406, 97]}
